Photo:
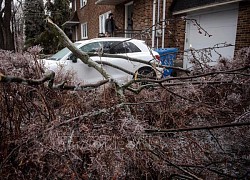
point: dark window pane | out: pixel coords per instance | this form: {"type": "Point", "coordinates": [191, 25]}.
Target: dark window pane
{"type": "Point", "coordinates": [92, 47]}
{"type": "Point", "coordinates": [123, 47]}
{"type": "Point", "coordinates": [132, 47]}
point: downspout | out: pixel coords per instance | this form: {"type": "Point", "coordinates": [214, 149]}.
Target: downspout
{"type": "Point", "coordinates": [163, 24]}
{"type": "Point", "coordinates": [153, 25]}
{"type": "Point", "coordinates": [158, 22]}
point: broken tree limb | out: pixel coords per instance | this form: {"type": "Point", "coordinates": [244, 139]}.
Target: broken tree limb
{"type": "Point", "coordinates": [156, 131]}
{"type": "Point", "coordinates": [49, 76]}
{"type": "Point", "coordinates": [62, 86]}
{"type": "Point", "coordinates": [149, 63]}
{"type": "Point", "coordinates": [78, 53]}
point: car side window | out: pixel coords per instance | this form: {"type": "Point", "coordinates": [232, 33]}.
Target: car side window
{"type": "Point", "coordinates": [133, 47]}
{"type": "Point", "coordinates": [92, 47]}
{"type": "Point", "coordinates": [106, 46]}
{"type": "Point", "coordinates": [119, 47]}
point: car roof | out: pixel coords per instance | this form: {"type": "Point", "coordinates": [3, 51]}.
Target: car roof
{"type": "Point", "coordinates": [107, 39]}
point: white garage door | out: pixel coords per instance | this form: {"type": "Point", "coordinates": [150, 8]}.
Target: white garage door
{"type": "Point", "coordinates": [221, 23]}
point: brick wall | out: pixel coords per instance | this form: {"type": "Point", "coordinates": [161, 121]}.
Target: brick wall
{"type": "Point", "coordinates": [90, 14]}
{"type": "Point", "coordinates": [142, 17]}
{"type": "Point", "coordinates": [243, 28]}
{"type": "Point", "coordinates": [178, 37]}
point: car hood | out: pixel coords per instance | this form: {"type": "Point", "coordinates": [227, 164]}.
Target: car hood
{"type": "Point", "coordinates": [50, 64]}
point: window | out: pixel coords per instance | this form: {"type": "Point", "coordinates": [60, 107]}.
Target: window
{"type": "Point", "coordinates": [76, 33]}
{"type": "Point", "coordinates": [74, 5]}
{"type": "Point", "coordinates": [92, 47]}
{"type": "Point", "coordinates": [102, 19]}
{"type": "Point", "coordinates": [132, 47]}
{"type": "Point", "coordinates": [83, 3]}
{"type": "Point", "coordinates": [118, 47]}
{"type": "Point", "coordinates": [84, 31]}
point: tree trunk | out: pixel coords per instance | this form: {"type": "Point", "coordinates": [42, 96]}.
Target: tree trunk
{"type": "Point", "coordinates": [6, 35]}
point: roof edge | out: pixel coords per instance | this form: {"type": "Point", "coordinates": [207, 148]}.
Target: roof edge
{"type": "Point", "coordinates": [204, 7]}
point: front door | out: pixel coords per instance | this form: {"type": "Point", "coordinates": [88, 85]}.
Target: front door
{"type": "Point", "coordinates": [129, 19]}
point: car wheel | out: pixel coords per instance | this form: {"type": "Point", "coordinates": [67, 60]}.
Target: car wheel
{"type": "Point", "coordinates": [145, 72]}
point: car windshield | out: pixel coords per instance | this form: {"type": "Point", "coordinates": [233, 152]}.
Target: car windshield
{"type": "Point", "coordinates": [60, 54]}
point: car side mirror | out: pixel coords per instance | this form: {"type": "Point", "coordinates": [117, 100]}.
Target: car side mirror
{"type": "Point", "coordinates": [73, 58]}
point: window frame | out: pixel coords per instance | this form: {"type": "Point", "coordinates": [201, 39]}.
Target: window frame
{"type": "Point", "coordinates": [84, 30]}
{"type": "Point", "coordinates": [120, 47]}
{"type": "Point", "coordinates": [83, 3]}
{"type": "Point", "coordinates": [92, 47]}
{"type": "Point", "coordinates": [75, 8]}
{"type": "Point", "coordinates": [102, 19]}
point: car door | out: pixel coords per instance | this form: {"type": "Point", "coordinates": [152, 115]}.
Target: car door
{"type": "Point", "coordinates": [83, 71]}
{"type": "Point", "coordinates": [126, 49]}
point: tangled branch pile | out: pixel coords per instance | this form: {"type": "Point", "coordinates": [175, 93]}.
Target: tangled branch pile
{"type": "Point", "coordinates": [59, 134]}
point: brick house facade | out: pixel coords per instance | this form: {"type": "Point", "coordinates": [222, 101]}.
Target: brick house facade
{"type": "Point", "coordinates": [142, 19]}
{"type": "Point", "coordinates": [89, 14]}
{"type": "Point", "coordinates": [174, 33]}
{"type": "Point", "coordinates": [243, 28]}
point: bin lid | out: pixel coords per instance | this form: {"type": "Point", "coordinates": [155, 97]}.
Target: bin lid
{"type": "Point", "coordinates": [166, 50]}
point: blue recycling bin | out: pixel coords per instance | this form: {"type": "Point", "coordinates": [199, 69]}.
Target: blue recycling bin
{"type": "Point", "coordinates": [168, 55]}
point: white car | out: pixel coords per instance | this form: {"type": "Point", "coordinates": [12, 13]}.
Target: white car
{"type": "Point", "coordinates": [132, 48]}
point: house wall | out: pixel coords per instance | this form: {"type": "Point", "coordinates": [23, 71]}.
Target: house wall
{"type": "Point", "coordinates": [243, 28]}
{"type": "Point", "coordinates": [143, 19]}
{"type": "Point", "coordinates": [242, 35]}
{"type": "Point", "coordinates": [142, 15]}
{"type": "Point", "coordinates": [178, 38]}
{"type": "Point", "coordinates": [90, 14]}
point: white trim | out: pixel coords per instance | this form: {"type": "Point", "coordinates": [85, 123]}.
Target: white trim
{"type": "Point", "coordinates": [129, 3]}
{"type": "Point", "coordinates": [75, 5]}
{"type": "Point", "coordinates": [83, 3]}
{"type": "Point", "coordinates": [153, 25]}
{"type": "Point", "coordinates": [126, 15]}
{"type": "Point", "coordinates": [163, 24]}
{"type": "Point", "coordinates": [76, 33]}
{"type": "Point", "coordinates": [102, 19]}
{"type": "Point", "coordinates": [84, 30]}
{"type": "Point", "coordinates": [204, 7]}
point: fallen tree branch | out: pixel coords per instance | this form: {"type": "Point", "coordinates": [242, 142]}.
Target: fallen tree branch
{"type": "Point", "coordinates": [161, 155]}
{"type": "Point", "coordinates": [211, 73]}
{"type": "Point", "coordinates": [49, 76]}
{"type": "Point", "coordinates": [188, 77]}
{"type": "Point", "coordinates": [156, 131]}
{"type": "Point", "coordinates": [114, 66]}
{"type": "Point", "coordinates": [62, 86]}
{"type": "Point", "coordinates": [164, 85]}
{"type": "Point", "coordinates": [78, 53]}
{"type": "Point", "coordinates": [149, 62]}
{"type": "Point", "coordinates": [214, 170]}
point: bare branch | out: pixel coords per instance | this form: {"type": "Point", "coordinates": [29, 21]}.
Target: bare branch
{"type": "Point", "coordinates": [197, 128]}
{"type": "Point", "coordinates": [47, 77]}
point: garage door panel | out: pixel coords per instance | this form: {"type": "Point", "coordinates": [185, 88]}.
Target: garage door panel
{"type": "Point", "coordinates": [222, 25]}
{"type": "Point", "coordinates": [219, 19]}
{"type": "Point", "coordinates": [219, 35]}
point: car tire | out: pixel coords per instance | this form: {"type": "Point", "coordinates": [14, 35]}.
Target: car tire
{"type": "Point", "coordinates": [145, 72]}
